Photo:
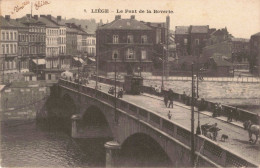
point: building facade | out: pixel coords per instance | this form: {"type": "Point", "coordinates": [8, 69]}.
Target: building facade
{"type": "Point", "coordinates": [182, 40]}
{"type": "Point", "coordinates": [35, 38]}
{"type": "Point", "coordinates": [91, 45]}
{"type": "Point", "coordinates": [198, 39]}
{"type": "Point", "coordinates": [126, 44]}
{"type": "Point", "coordinates": [52, 42]}
{"type": "Point", "coordinates": [254, 61]}
{"type": "Point", "coordinates": [9, 46]}
{"type": "Point", "coordinates": [240, 53]}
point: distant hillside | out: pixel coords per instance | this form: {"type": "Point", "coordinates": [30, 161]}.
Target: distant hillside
{"type": "Point", "coordinates": [91, 24]}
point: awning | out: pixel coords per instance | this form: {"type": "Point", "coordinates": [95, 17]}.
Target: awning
{"type": "Point", "coordinates": [40, 61]}
{"type": "Point", "coordinates": [92, 59]}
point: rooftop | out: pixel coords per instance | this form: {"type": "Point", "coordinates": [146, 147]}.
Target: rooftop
{"type": "Point", "coordinates": [182, 30]}
{"type": "Point", "coordinates": [48, 22]}
{"type": "Point", "coordinates": [200, 29]}
{"type": "Point", "coordinates": [257, 34]}
{"type": "Point", "coordinates": [126, 24]}
{"type": "Point", "coordinates": [239, 40]}
{"type": "Point", "coordinates": [11, 23]}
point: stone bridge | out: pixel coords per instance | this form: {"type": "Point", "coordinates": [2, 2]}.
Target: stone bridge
{"type": "Point", "coordinates": [139, 136]}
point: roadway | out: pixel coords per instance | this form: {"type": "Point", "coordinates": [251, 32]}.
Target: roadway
{"type": "Point", "coordinates": [181, 114]}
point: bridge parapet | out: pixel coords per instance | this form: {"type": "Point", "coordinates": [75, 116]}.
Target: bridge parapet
{"type": "Point", "coordinates": [241, 114]}
{"type": "Point", "coordinates": [204, 146]}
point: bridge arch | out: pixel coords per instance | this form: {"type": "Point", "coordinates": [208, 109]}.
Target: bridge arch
{"type": "Point", "coordinates": [68, 106]}
{"type": "Point", "coordinates": [95, 119]}
{"type": "Point", "coordinates": [141, 150]}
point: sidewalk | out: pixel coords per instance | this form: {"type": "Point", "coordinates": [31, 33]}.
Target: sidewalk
{"type": "Point", "coordinates": [207, 113]}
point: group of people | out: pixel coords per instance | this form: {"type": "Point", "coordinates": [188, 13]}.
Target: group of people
{"type": "Point", "coordinates": [168, 97]}
{"type": "Point", "coordinates": [217, 110]}
{"type": "Point", "coordinates": [119, 93]}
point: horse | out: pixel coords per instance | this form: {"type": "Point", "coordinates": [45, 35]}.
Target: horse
{"type": "Point", "coordinates": [252, 129]}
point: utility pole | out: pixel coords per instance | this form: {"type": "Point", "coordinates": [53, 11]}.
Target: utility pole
{"type": "Point", "coordinates": [192, 120]}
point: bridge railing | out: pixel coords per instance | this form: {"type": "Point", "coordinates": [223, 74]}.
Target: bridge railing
{"type": "Point", "coordinates": [204, 146]}
{"type": "Point", "coordinates": [238, 113]}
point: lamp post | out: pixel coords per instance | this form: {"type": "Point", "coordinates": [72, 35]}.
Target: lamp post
{"type": "Point", "coordinates": [192, 119]}
{"type": "Point", "coordinates": [116, 117]}
{"type": "Point", "coordinates": [97, 57]}
{"type": "Point", "coordinates": [198, 131]}
{"type": "Point", "coordinates": [4, 68]}
{"type": "Point", "coordinates": [162, 87]}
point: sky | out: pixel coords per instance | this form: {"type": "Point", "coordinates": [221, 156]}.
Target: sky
{"type": "Point", "coordinates": [241, 17]}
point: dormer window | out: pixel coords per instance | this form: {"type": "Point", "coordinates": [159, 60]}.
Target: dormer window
{"type": "Point", "coordinates": [115, 39]}
{"type": "Point", "coordinates": [130, 39]}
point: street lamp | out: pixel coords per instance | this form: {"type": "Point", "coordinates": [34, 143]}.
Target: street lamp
{"type": "Point", "coordinates": [192, 119]}
{"type": "Point", "coordinates": [198, 131]}
{"type": "Point", "coordinates": [162, 87]}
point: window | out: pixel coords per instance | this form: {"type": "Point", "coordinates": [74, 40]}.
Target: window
{"type": "Point", "coordinates": [143, 39]}
{"type": "Point", "coordinates": [7, 36]}
{"type": "Point", "coordinates": [11, 36]}
{"type": "Point", "coordinates": [130, 39]}
{"type": "Point", "coordinates": [185, 41]}
{"type": "Point", "coordinates": [3, 36]}
{"type": "Point", "coordinates": [49, 76]}
{"type": "Point", "coordinates": [114, 54]}
{"type": "Point", "coordinates": [15, 48]}
{"type": "Point", "coordinates": [130, 53]}
{"type": "Point", "coordinates": [197, 41]}
{"type": "Point", "coordinates": [143, 54]}
{"type": "Point", "coordinates": [7, 48]}
{"type": "Point", "coordinates": [115, 39]}
{"type": "Point", "coordinates": [11, 48]}
{"type": "Point", "coordinates": [15, 35]}
{"type": "Point", "coordinates": [93, 42]}
{"type": "Point", "coordinates": [3, 48]}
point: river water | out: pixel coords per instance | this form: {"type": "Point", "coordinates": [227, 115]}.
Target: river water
{"type": "Point", "coordinates": [30, 144]}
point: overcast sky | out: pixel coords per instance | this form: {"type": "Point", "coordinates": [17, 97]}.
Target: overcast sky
{"type": "Point", "coordinates": [241, 17]}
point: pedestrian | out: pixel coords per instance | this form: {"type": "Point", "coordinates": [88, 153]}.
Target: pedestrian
{"type": "Point", "coordinates": [236, 114]}
{"type": "Point", "coordinates": [169, 115]}
{"type": "Point", "coordinates": [170, 97]}
{"type": "Point", "coordinates": [165, 99]}
{"type": "Point", "coordinates": [171, 102]}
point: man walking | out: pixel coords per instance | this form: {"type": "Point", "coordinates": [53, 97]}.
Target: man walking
{"type": "Point", "coordinates": [169, 115]}
{"type": "Point", "coordinates": [170, 98]}
{"type": "Point", "coordinates": [166, 99]}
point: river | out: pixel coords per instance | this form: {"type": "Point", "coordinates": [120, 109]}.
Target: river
{"type": "Point", "coordinates": [28, 144]}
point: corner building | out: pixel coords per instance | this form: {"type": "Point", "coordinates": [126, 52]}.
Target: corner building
{"type": "Point", "coordinates": [130, 41]}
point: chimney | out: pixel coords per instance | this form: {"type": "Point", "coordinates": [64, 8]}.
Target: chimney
{"type": "Point", "coordinates": [49, 17]}
{"type": "Point", "coordinates": [80, 26]}
{"type": "Point", "coordinates": [86, 26]}
{"type": "Point", "coordinates": [132, 16]}
{"type": "Point", "coordinates": [28, 15]}
{"type": "Point", "coordinates": [7, 17]}
{"type": "Point", "coordinates": [117, 17]}
{"type": "Point", "coordinates": [58, 18]}
{"type": "Point", "coordinates": [149, 23]}
{"type": "Point", "coordinates": [35, 17]}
